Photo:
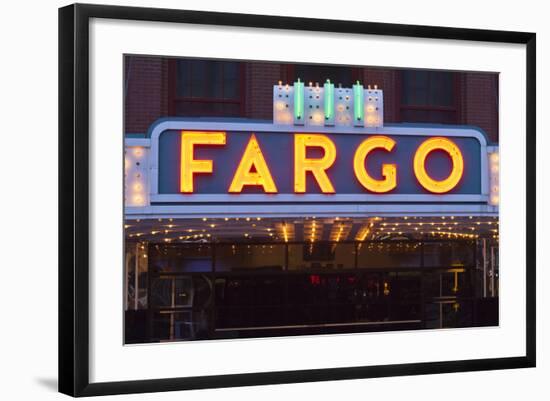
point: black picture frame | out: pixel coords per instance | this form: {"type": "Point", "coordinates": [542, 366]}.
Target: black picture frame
{"type": "Point", "coordinates": [74, 198]}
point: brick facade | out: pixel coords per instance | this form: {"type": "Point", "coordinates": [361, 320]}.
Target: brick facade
{"type": "Point", "coordinates": [147, 93]}
{"type": "Point", "coordinates": [480, 102]}
{"type": "Point", "coordinates": [259, 80]}
{"type": "Point", "coordinates": [384, 78]}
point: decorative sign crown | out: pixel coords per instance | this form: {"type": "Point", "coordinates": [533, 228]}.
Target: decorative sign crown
{"type": "Point", "coordinates": [327, 105]}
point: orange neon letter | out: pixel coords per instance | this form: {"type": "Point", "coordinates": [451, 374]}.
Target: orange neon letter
{"type": "Point", "coordinates": [189, 165]}
{"type": "Point", "coordinates": [252, 158]}
{"type": "Point", "coordinates": [389, 171]}
{"type": "Point", "coordinates": [429, 145]}
{"type": "Point", "coordinates": [317, 167]}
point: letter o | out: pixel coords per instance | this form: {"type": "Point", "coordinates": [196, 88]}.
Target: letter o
{"type": "Point", "coordinates": [438, 143]}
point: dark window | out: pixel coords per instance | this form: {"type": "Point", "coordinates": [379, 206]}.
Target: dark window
{"type": "Point", "coordinates": [207, 88]}
{"type": "Point", "coordinates": [429, 97]}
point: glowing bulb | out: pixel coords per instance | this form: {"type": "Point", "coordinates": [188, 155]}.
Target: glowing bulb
{"type": "Point", "coordinates": [317, 118]}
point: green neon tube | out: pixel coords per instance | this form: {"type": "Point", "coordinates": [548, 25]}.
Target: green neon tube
{"type": "Point", "coordinates": [358, 102]}
{"type": "Point", "coordinates": [329, 100]}
{"type": "Point", "coordinates": [298, 100]}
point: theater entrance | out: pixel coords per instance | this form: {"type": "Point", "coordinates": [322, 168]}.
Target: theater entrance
{"type": "Point", "coordinates": [307, 277]}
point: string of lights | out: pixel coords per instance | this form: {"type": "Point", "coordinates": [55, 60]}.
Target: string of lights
{"type": "Point", "coordinates": [339, 229]}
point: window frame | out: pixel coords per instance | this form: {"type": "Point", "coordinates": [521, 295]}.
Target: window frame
{"type": "Point", "coordinates": [174, 98]}
{"type": "Point", "coordinates": [456, 96]}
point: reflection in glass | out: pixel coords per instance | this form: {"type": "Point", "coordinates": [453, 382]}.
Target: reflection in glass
{"type": "Point", "coordinates": [449, 254]}
{"type": "Point", "coordinates": [389, 254]}
{"type": "Point", "coordinates": [321, 255]}
{"type": "Point", "coordinates": [180, 257]}
{"type": "Point", "coordinates": [245, 257]}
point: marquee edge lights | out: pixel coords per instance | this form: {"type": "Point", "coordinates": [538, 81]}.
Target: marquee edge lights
{"type": "Point", "coordinates": [135, 177]}
{"type": "Point", "coordinates": [253, 157]}
{"type": "Point", "coordinates": [494, 167]}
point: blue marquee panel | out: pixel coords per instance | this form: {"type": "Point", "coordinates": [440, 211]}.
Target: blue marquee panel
{"type": "Point", "coordinates": [278, 150]}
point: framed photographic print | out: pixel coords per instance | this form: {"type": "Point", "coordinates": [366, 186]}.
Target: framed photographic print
{"type": "Point", "coordinates": [250, 199]}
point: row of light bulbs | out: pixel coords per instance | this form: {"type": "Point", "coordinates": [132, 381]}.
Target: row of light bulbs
{"type": "Point", "coordinates": [338, 232]}
{"type": "Point", "coordinates": [337, 218]}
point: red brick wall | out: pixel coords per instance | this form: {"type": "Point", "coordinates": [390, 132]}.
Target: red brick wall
{"type": "Point", "coordinates": [147, 95]}
{"type": "Point", "coordinates": [480, 102]}
{"type": "Point", "coordinates": [259, 81]}
{"type": "Point", "coordinates": [146, 92]}
{"type": "Point", "coordinates": [387, 81]}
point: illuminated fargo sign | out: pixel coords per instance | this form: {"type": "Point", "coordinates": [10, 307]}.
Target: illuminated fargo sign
{"type": "Point", "coordinates": [193, 162]}
{"type": "Point", "coordinates": [253, 171]}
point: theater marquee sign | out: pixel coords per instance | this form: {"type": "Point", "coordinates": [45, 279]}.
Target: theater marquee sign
{"type": "Point", "coordinates": [227, 167]}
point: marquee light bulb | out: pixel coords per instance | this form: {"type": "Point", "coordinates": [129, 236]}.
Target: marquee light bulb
{"type": "Point", "coordinates": [317, 117]}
